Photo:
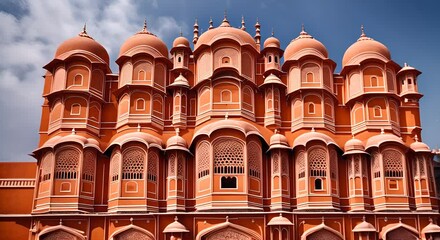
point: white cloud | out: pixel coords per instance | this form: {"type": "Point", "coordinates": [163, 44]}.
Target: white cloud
{"type": "Point", "coordinates": [29, 41]}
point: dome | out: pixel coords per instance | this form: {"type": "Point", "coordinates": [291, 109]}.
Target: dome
{"type": "Point", "coordinates": [279, 221]}
{"type": "Point", "coordinates": [407, 67]}
{"type": "Point", "coordinates": [272, 42]}
{"type": "Point", "coordinates": [176, 141]}
{"type": "Point", "coordinates": [304, 138]}
{"type": "Point", "coordinates": [366, 47]}
{"type": "Point", "coordinates": [225, 31]}
{"type": "Point", "coordinates": [354, 146]}
{"type": "Point", "coordinates": [303, 45]}
{"type": "Point", "coordinates": [272, 79]}
{"type": "Point", "coordinates": [278, 141]}
{"type": "Point", "coordinates": [83, 42]}
{"type": "Point", "coordinates": [147, 39]}
{"type": "Point", "coordinates": [431, 228]}
{"type": "Point", "coordinates": [377, 140]}
{"type": "Point", "coordinates": [419, 146]}
{"type": "Point", "coordinates": [180, 81]}
{"type": "Point", "coordinates": [175, 227]}
{"type": "Point", "coordinates": [364, 227]}
{"type": "Point", "coordinates": [180, 42]}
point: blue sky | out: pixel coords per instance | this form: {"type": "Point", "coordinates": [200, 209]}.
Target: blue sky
{"type": "Point", "coordinates": [32, 29]}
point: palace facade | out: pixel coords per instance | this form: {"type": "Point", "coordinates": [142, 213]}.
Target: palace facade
{"type": "Point", "coordinates": [225, 140]}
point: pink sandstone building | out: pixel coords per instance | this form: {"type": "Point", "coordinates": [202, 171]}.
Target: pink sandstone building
{"type": "Point", "coordinates": [224, 140]}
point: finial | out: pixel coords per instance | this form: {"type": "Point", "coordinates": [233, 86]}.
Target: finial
{"type": "Point", "coordinates": [243, 27]}
{"type": "Point", "coordinates": [196, 23]}
{"type": "Point", "coordinates": [176, 219]}
{"type": "Point", "coordinates": [83, 33]}
{"type": "Point", "coordinates": [139, 127]}
{"type": "Point", "coordinates": [275, 131]}
{"type": "Point", "coordinates": [177, 131]}
{"type": "Point", "coordinates": [313, 129]}
{"type": "Point", "coordinates": [405, 64]}
{"type": "Point", "coordinates": [226, 116]}
{"type": "Point", "coordinates": [382, 131]}
{"type": "Point", "coordinates": [416, 138]}
{"type": "Point", "coordinates": [225, 16]}
{"type": "Point", "coordinates": [181, 33]}
{"type": "Point", "coordinates": [73, 131]}
{"type": "Point", "coordinates": [227, 218]}
{"type": "Point", "coordinates": [257, 36]}
{"type": "Point", "coordinates": [322, 219]}
{"type": "Point", "coordinates": [61, 221]}
{"type": "Point", "coordinates": [131, 220]}
{"type": "Point", "coordinates": [430, 220]}
{"type": "Point", "coordinates": [210, 23]}
{"type": "Point", "coordinates": [196, 32]}
{"type": "Point", "coordinates": [352, 135]}
{"type": "Point", "coordinates": [281, 214]}
{"type": "Point", "coordinates": [400, 219]}
{"type": "Point", "coordinates": [302, 27]}
{"type": "Point", "coordinates": [273, 33]}
{"type": "Point", "coordinates": [144, 29]}
{"type": "Point", "coordinates": [363, 218]}
{"type": "Point", "coordinates": [362, 31]}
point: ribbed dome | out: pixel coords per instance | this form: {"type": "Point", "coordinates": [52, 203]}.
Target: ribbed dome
{"type": "Point", "coordinates": [83, 42]}
{"type": "Point", "coordinates": [272, 42]}
{"type": "Point", "coordinates": [303, 45]}
{"type": "Point", "coordinates": [180, 42]}
{"type": "Point", "coordinates": [144, 38]}
{"type": "Point", "coordinates": [354, 144]}
{"type": "Point", "coordinates": [180, 81]}
{"type": "Point", "coordinates": [419, 146]}
{"type": "Point", "coordinates": [365, 45]}
{"type": "Point", "coordinates": [278, 139]}
{"type": "Point", "coordinates": [225, 31]}
{"type": "Point", "coordinates": [175, 141]}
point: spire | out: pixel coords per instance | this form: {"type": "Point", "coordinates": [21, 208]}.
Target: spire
{"type": "Point", "coordinates": [273, 33]}
{"type": "Point", "coordinates": [144, 29]}
{"type": "Point", "coordinates": [225, 18]}
{"type": "Point", "coordinates": [243, 27]}
{"type": "Point", "coordinates": [225, 22]}
{"type": "Point", "coordinates": [303, 30]}
{"type": "Point", "coordinates": [416, 138]}
{"type": "Point", "coordinates": [257, 36]}
{"type": "Point", "coordinates": [211, 26]}
{"type": "Point", "coordinates": [180, 33]}
{"type": "Point", "coordinates": [362, 31]}
{"type": "Point", "coordinates": [303, 33]}
{"type": "Point", "coordinates": [196, 32]}
{"type": "Point", "coordinates": [83, 33]}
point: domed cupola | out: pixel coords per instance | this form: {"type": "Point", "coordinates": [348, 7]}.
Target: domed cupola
{"type": "Point", "coordinates": [83, 43]}
{"type": "Point", "coordinates": [365, 48]}
{"type": "Point", "coordinates": [354, 146]}
{"type": "Point", "coordinates": [304, 45]}
{"type": "Point", "coordinates": [180, 53]}
{"type": "Point", "coordinates": [272, 53]}
{"type": "Point", "coordinates": [143, 41]}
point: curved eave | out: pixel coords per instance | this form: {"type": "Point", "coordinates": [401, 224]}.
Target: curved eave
{"type": "Point", "coordinates": [403, 70]}
{"type": "Point", "coordinates": [147, 139]}
{"type": "Point", "coordinates": [127, 87]}
{"type": "Point", "coordinates": [279, 221]}
{"type": "Point", "coordinates": [431, 228]}
{"type": "Point", "coordinates": [278, 146]}
{"type": "Point", "coordinates": [142, 49]}
{"type": "Point", "coordinates": [300, 57]}
{"type": "Point", "coordinates": [312, 89]}
{"type": "Point", "coordinates": [415, 95]}
{"type": "Point", "coordinates": [305, 138]}
{"type": "Point", "coordinates": [265, 84]}
{"type": "Point", "coordinates": [58, 140]}
{"type": "Point", "coordinates": [355, 64]}
{"type": "Point", "coordinates": [175, 85]}
{"type": "Point", "coordinates": [199, 47]}
{"type": "Point", "coordinates": [364, 227]}
{"type": "Point", "coordinates": [378, 140]}
{"type": "Point", "coordinates": [350, 152]}
{"type": "Point", "coordinates": [181, 47]}
{"type": "Point", "coordinates": [362, 95]}
{"type": "Point", "coordinates": [91, 57]}
{"type": "Point", "coordinates": [178, 148]}
{"type": "Point", "coordinates": [272, 48]}
{"type": "Point", "coordinates": [68, 92]}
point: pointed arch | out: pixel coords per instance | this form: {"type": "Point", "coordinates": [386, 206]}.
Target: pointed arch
{"type": "Point", "coordinates": [321, 227]}
{"type": "Point", "coordinates": [395, 226]}
{"type": "Point", "coordinates": [132, 227]}
{"type": "Point", "coordinates": [228, 226]}
{"type": "Point", "coordinates": [77, 233]}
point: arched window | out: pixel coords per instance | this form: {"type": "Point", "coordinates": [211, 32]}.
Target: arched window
{"type": "Point", "coordinates": [225, 96]}
{"type": "Point", "coordinates": [377, 112]}
{"type": "Point", "coordinates": [254, 159]}
{"type": "Point", "coordinates": [46, 167]}
{"type": "Point", "coordinates": [301, 165]}
{"type": "Point", "coordinates": [276, 99]}
{"type": "Point", "coordinates": [311, 108]}
{"type": "Point", "coordinates": [78, 80]}
{"type": "Point", "coordinates": [66, 164]}
{"type": "Point", "coordinates": [317, 162]}
{"type": "Point", "coordinates": [179, 59]}
{"type": "Point", "coordinates": [276, 59]}
{"type": "Point", "coordinates": [203, 157]}
{"type": "Point", "coordinates": [309, 77]}
{"type": "Point", "coordinates": [177, 103]}
{"type": "Point", "coordinates": [226, 60]}
{"type": "Point", "coordinates": [270, 59]}
{"type": "Point", "coordinates": [75, 109]}
{"type": "Point", "coordinates": [228, 156]}
{"type": "Point", "coordinates": [141, 75]}
{"type": "Point", "coordinates": [140, 104]}
{"type": "Point", "coordinates": [133, 162]}
{"type": "Point", "coordinates": [269, 99]}
{"type": "Point", "coordinates": [376, 164]}
{"type": "Point", "coordinates": [114, 167]}
{"type": "Point", "coordinates": [393, 164]}
{"type": "Point", "coordinates": [88, 167]}
{"type": "Point", "coordinates": [153, 162]}
{"type": "Point", "coordinates": [373, 81]}
{"type": "Point", "coordinates": [318, 184]}
{"type": "Point", "coordinates": [228, 182]}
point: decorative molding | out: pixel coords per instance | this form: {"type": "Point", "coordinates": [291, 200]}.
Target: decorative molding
{"type": "Point", "coordinates": [17, 182]}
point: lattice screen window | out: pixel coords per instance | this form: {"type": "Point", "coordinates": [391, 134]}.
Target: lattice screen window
{"type": "Point", "coordinates": [67, 164]}
{"type": "Point", "coordinates": [172, 165]}
{"type": "Point", "coordinates": [89, 164]}
{"type": "Point", "coordinates": [114, 166]}
{"type": "Point", "coordinates": [350, 166]}
{"type": "Point", "coordinates": [46, 167]}
{"type": "Point", "coordinates": [133, 164]}
{"type": "Point", "coordinates": [421, 164]}
{"type": "Point", "coordinates": [254, 159]}
{"type": "Point", "coordinates": [203, 157]}
{"type": "Point", "coordinates": [393, 165]}
{"type": "Point", "coordinates": [228, 157]}
{"type": "Point", "coordinates": [275, 163]}
{"type": "Point", "coordinates": [284, 164]}
{"type": "Point", "coordinates": [375, 158]}
{"type": "Point", "coordinates": [153, 162]}
{"type": "Point", "coordinates": [180, 166]}
{"type": "Point", "coordinates": [318, 162]}
{"type": "Point", "coordinates": [333, 164]}
{"type": "Point", "coordinates": [301, 164]}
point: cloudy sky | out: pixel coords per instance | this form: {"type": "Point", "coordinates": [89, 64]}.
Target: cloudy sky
{"type": "Point", "coordinates": [31, 30]}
